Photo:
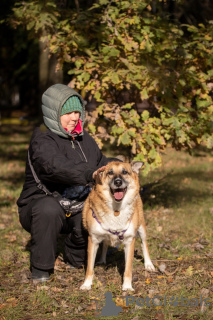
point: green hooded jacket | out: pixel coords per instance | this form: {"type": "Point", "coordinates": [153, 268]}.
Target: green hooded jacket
{"type": "Point", "coordinates": [53, 100]}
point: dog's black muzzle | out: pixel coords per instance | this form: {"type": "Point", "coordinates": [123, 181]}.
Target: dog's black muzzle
{"type": "Point", "coordinates": [118, 182]}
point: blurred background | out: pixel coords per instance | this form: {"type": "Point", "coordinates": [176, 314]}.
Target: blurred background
{"type": "Point", "coordinates": [28, 67]}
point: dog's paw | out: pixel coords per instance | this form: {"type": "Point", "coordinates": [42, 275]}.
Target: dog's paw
{"type": "Point", "coordinates": [127, 287]}
{"type": "Point", "coordinates": [149, 266]}
{"type": "Point", "coordinates": [127, 284]}
{"type": "Point", "coordinates": [85, 287]}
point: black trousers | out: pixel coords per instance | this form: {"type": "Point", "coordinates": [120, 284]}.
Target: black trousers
{"type": "Point", "coordinates": [45, 219]}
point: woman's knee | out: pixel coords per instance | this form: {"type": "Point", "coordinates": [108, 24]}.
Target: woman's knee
{"type": "Point", "coordinates": [48, 208]}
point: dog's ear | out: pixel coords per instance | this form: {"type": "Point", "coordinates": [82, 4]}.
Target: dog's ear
{"type": "Point", "coordinates": [136, 165]}
{"type": "Point", "coordinates": [98, 178]}
{"type": "Point", "coordinates": [97, 175]}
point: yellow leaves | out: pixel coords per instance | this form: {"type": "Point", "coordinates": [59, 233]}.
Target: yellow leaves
{"type": "Point", "coordinates": [189, 271]}
{"type": "Point", "coordinates": [143, 45]}
{"type": "Point", "coordinates": [121, 303]}
{"type": "Point", "coordinates": [208, 37]}
{"type": "Point", "coordinates": [148, 281]}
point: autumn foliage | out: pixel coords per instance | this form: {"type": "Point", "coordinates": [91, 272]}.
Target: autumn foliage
{"type": "Point", "coordinates": [150, 76]}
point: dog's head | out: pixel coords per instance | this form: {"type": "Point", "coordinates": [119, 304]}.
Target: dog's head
{"type": "Point", "coordinates": [118, 177]}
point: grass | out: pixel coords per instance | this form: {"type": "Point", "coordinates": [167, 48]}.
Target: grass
{"type": "Point", "coordinates": [178, 207]}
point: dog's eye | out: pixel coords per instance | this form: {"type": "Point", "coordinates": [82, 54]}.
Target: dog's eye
{"type": "Point", "coordinates": [124, 171]}
{"type": "Point", "coordinates": [110, 172]}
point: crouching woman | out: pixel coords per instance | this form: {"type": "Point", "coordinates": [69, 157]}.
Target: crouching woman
{"type": "Point", "coordinates": [62, 159]}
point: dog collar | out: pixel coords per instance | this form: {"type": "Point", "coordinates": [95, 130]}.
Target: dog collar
{"type": "Point", "coordinates": [119, 234]}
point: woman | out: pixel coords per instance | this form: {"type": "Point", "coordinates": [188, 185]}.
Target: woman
{"type": "Point", "coordinates": [64, 158]}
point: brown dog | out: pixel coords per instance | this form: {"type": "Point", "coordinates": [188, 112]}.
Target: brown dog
{"type": "Point", "coordinates": [113, 213]}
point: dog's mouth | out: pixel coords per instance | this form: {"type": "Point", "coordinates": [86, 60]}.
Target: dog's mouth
{"type": "Point", "coordinates": [118, 193]}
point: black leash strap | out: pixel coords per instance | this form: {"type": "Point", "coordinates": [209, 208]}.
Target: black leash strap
{"type": "Point", "coordinates": [40, 185]}
{"type": "Point", "coordinates": [71, 207]}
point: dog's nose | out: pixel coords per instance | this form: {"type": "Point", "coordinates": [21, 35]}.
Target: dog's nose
{"type": "Point", "coordinates": [118, 182]}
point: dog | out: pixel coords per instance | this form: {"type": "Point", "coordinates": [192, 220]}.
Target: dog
{"type": "Point", "coordinates": [113, 213]}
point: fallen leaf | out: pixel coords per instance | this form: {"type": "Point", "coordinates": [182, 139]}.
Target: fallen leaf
{"type": "Point", "coordinates": [162, 267]}
{"type": "Point", "coordinates": [99, 284]}
{"type": "Point", "coordinates": [204, 292]}
{"type": "Point", "coordinates": [43, 288]}
{"type": "Point", "coordinates": [203, 241]}
{"type": "Point", "coordinates": [148, 280]}
{"type": "Point", "coordinates": [55, 289]}
{"type": "Point", "coordinates": [120, 302]}
{"type": "Point", "coordinates": [11, 299]}
{"type": "Point", "coordinates": [198, 246]}
{"type": "Point", "coordinates": [92, 306]}
{"type": "Point", "coordinates": [189, 271]}
{"type": "Point", "coordinates": [159, 316]}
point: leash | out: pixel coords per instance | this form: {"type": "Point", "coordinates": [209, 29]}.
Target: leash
{"type": "Point", "coordinates": [117, 233]}
{"type": "Point", "coordinates": [71, 207]}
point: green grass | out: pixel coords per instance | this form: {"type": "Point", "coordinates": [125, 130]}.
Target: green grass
{"type": "Point", "coordinates": [178, 208]}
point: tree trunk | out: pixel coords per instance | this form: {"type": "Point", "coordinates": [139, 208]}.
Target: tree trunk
{"type": "Point", "coordinates": [48, 74]}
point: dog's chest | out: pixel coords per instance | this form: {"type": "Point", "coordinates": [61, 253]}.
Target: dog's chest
{"type": "Point", "coordinates": [114, 229]}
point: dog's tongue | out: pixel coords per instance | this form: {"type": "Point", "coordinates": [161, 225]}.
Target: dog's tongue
{"type": "Point", "coordinates": [118, 195]}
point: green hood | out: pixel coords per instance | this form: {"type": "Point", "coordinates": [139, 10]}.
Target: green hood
{"type": "Point", "coordinates": [53, 100]}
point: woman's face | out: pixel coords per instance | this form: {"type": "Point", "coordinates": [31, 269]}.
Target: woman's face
{"type": "Point", "coordinates": [70, 120]}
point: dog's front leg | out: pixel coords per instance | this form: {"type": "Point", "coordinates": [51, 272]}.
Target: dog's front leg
{"type": "Point", "coordinates": [91, 252]}
{"type": "Point", "coordinates": [129, 255]}
{"type": "Point", "coordinates": [147, 261]}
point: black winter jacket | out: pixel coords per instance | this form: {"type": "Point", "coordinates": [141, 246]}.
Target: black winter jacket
{"type": "Point", "coordinates": [60, 163]}
{"type": "Point", "coordinates": [59, 158]}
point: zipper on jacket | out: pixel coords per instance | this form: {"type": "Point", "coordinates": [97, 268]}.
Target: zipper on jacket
{"type": "Point", "coordinates": [73, 146]}
{"type": "Point", "coordinates": [81, 150]}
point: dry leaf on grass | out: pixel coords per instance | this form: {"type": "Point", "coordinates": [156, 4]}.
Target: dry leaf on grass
{"type": "Point", "coordinates": [148, 281]}
{"type": "Point", "coordinates": [55, 289]}
{"type": "Point", "coordinates": [197, 246]}
{"type": "Point", "coordinates": [162, 267]}
{"type": "Point", "coordinates": [42, 288]}
{"type": "Point", "coordinates": [189, 271]}
{"type": "Point", "coordinates": [92, 306]}
{"type": "Point", "coordinates": [121, 303]}
{"type": "Point", "coordinates": [159, 316]}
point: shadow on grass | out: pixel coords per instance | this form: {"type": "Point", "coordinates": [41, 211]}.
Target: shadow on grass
{"type": "Point", "coordinates": [173, 191]}
{"type": "Point", "coordinates": [115, 258]}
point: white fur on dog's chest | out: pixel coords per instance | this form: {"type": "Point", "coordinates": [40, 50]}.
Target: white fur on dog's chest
{"type": "Point", "coordinates": [121, 225]}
